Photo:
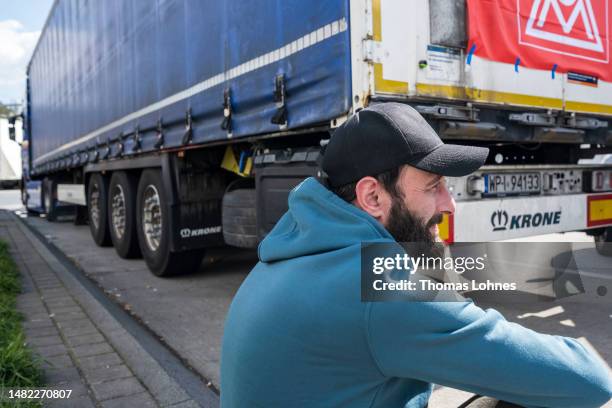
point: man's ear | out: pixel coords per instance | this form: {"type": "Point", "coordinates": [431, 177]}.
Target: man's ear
{"type": "Point", "coordinates": [372, 198]}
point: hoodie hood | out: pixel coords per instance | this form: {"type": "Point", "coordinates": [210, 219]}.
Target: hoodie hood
{"type": "Point", "coordinates": [318, 221]}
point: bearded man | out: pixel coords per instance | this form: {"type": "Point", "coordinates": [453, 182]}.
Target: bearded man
{"type": "Point", "coordinates": [299, 335]}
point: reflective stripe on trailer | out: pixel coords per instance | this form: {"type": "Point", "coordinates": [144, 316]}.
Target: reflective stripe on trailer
{"type": "Point", "coordinates": [599, 210]}
{"type": "Point", "coordinates": [516, 217]}
{"type": "Point", "coordinates": [446, 228]}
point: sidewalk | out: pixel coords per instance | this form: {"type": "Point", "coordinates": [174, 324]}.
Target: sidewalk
{"type": "Point", "coordinates": [86, 349]}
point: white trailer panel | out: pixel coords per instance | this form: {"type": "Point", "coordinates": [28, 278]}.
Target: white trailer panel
{"type": "Point", "coordinates": [405, 63]}
{"type": "Point", "coordinates": [10, 153]}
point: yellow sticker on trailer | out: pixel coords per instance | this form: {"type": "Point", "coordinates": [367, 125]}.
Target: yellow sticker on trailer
{"type": "Point", "coordinates": [445, 228]}
{"type": "Point", "coordinates": [599, 210]}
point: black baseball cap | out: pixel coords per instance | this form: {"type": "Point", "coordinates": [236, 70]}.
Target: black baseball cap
{"type": "Point", "coordinates": [385, 136]}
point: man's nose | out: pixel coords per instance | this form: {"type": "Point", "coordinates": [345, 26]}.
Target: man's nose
{"type": "Point", "coordinates": [446, 203]}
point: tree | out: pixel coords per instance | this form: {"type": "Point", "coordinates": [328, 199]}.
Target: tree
{"type": "Point", "coordinates": [7, 110]}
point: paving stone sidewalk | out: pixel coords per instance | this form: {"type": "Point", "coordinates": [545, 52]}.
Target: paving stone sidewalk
{"type": "Point", "coordinates": [85, 349]}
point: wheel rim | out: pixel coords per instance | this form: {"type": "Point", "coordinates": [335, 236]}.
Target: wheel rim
{"type": "Point", "coordinates": [94, 203]}
{"type": "Point", "coordinates": [118, 211]}
{"type": "Point", "coordinates": [152, 217]}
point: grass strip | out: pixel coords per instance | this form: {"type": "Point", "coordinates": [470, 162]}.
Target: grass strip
{"type": "Point", "coordinates": [18, 366]}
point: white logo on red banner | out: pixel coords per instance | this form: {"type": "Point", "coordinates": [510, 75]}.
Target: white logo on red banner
{"type": "Point", "coordinates": [569, 27]}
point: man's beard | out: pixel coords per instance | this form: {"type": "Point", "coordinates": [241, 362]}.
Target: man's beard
{"type": "Point", "coordinates": [405, 227]}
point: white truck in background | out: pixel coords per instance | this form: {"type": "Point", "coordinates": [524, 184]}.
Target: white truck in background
{"type": "Point", "coordinates": [11, 137]}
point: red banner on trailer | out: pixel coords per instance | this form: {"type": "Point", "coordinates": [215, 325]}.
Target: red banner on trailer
{"type": "Point", "coordinates": [558, 35]}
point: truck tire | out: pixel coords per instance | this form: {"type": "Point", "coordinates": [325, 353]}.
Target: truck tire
{"type": "Point", "coordinates": [153, 225]}
{"type": "Point", "coordinates": [603, 242]}
{"type": "Point", "coordinates": [50, 199]}
{"type": "Point", "coordinates": [239, 218]}
{"type": "Point", "coordinates": [97, 197]}
{"type": "Point", "coordinates": [121, 212]}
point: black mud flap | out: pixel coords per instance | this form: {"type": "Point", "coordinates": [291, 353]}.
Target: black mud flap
{"type": "Point", "coordinates": [195, 190]}
{"type": "Point", "coordinates": [276, 174]}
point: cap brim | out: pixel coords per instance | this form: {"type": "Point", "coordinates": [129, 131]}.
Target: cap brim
{"type": "Point", "coordinates": [453, 160]}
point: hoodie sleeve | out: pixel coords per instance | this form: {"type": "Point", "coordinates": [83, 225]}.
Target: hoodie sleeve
{"type": "Point", "coordinates": [459, 345]}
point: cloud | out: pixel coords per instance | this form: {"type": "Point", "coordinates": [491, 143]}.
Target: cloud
{"type": "Point", "coordinates": [16, 46]}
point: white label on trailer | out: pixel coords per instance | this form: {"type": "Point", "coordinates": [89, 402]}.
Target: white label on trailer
{"type": "Point", "coordinates": [443, 63]}
{"type": "Point", "coordinates": [506, 218]}
{"type": "Point", "coordinates": [71, 193]}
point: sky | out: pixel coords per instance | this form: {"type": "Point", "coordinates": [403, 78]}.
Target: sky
{"type": "Point", "coordinates": [20, 25]}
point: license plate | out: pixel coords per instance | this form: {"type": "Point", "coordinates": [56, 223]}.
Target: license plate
{"type": "Point", "coordinates": [515, 183]}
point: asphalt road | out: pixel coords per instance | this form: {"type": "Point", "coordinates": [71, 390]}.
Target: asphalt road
{"type": "Point", "coordinates": [10, 199]}
{"type": "Point", "coordinates": [188, 312]}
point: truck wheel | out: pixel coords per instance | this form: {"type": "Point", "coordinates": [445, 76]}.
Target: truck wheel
{"type": "Point", "coordinates": [97, 193]}
{"type": "Point", "coordinates": [603, 242]}
{"type": "Point", "coordinates": [153, 225]}
{"type": "Point", "coordinates": [239, 218]}
{"type": "Point", "coordinates": [122, 214]}
{"type": "Point", "coordinates": [49, 199]}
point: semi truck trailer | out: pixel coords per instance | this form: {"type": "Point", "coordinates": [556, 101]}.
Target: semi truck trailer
{"type": "Point", "coordinates": [173, 126]}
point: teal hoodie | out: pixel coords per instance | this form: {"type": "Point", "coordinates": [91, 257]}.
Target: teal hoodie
{"type": "Point", "coordinates": [298, 335]}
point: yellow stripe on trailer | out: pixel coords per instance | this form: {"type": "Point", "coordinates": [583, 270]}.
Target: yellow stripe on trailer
{"type": "Point", "coordinates": [376, 20]}
{"type": "Point", "coordinates": [380, 83]}
{"type": "Point", "coordinates": [483, 95]}
{"type": "Point", "coordinates": [588, 107]}
{"type": "Point", "coordinates": [387, 86]}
